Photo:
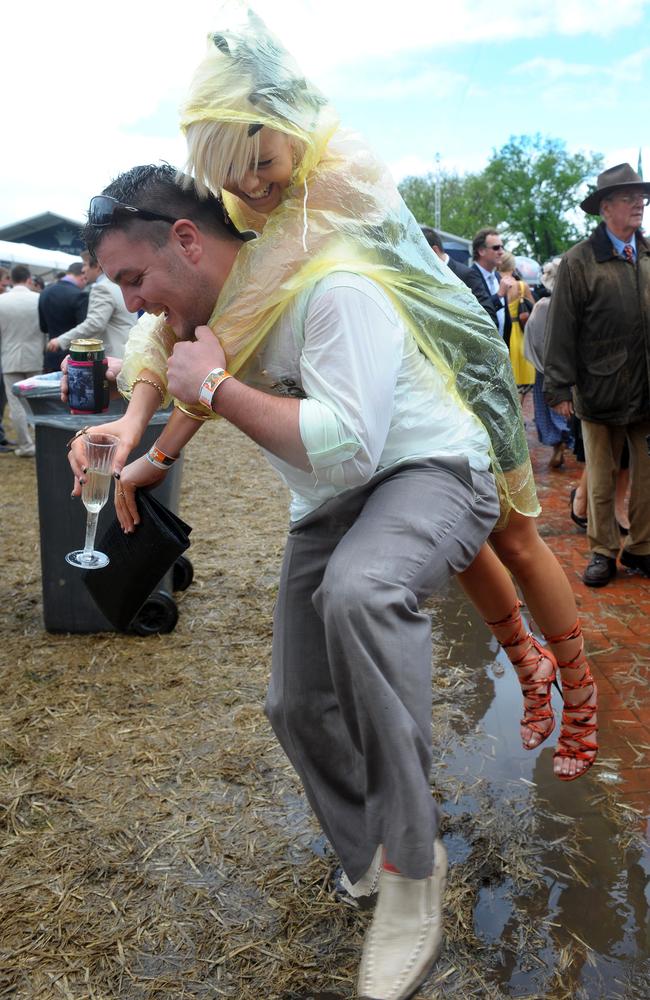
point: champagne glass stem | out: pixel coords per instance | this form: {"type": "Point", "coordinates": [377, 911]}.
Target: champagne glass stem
{"type": "Point", "coordinates": [91, 531]}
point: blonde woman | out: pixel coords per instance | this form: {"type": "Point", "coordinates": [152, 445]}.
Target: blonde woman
{"type": "Point", "coordinates": [518, 294]}
{"type": "Point", "coordinates": [258, 131]}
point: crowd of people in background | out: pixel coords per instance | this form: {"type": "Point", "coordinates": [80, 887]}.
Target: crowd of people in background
{"type": "Point", "coordinates": [38, 323]}
{"type": "Point", "coordinates": [579, 353]}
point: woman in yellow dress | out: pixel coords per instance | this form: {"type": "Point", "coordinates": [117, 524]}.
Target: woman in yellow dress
{"type": "Point", "coordinates": [522, 369]}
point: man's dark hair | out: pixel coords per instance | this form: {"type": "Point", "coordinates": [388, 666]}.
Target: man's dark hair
{"type": "Point", "coordinates": [433, 238]}
{"type": "Point", "coordinates": [76, 268]}
{"type": "Point", "coordinates": [159, 188]}
{"type": "Point", "coordinates": [479, 240]}
{"type": "Point", "coordinates": [20, 273]}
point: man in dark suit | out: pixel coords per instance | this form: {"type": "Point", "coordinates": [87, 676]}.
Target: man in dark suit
{"type": "Point", "coordinates": [487, 251]}
{"type": "Point", "coordinates": [62, 305]}
{"type": "Point", "coordinates": [466, 274]}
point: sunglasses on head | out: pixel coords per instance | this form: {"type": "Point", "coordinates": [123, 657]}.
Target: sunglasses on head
{"type": "Point", "coordinates": [102, 209]}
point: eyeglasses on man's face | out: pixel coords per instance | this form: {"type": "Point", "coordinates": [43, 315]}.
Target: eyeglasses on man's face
{"type": "Point", "coordinates": [632, 199]}
{"type": "Point", "coordinates": [495, 246]}
{"type": "Point", "coordinates": [102, 209]}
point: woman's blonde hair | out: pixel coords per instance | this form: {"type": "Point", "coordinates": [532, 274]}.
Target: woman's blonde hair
{"type": "Point", "coordinates": [218, 151]}
{"type": "Point", "coordinates": [240, 86]}
{"type": "Point", "coordinates": [508, 262]}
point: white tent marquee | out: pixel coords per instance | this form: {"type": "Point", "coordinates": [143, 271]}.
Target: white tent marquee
{"type": "Point", "coordinates": [39, 260]}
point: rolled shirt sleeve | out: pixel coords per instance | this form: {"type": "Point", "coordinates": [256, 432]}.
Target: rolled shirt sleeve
{"type": "Point", "coordinates": [349, 367]}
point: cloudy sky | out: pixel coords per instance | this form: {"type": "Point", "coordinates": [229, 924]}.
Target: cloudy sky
{"type": "Point", "coordinates": [90, 90]}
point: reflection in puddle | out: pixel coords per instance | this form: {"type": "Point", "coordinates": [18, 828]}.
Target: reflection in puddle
{"type": "Point", "coordinates": [579, 928]}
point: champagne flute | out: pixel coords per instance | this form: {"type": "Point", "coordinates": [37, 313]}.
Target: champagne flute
{"type": "Point", "coordinates": [100, 453]}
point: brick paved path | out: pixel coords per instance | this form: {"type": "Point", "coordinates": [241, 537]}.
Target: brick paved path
{"type": "Point", "coordinates": [616, 623]}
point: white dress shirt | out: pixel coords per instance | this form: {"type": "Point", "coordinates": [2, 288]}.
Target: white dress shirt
{"type": "Point", "coordinates": [369, 397]}
{"type": "Point", "coordinates": [493, 287]}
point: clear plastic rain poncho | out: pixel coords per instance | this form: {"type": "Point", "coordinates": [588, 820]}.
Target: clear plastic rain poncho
{"type": "Point", "coordinates": [342, 211]}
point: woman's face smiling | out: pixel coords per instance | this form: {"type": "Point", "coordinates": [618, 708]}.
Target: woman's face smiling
{"type": "Point", "coordinates": [262, 188]}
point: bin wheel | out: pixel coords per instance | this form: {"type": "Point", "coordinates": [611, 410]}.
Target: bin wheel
{"type": "Point", "coordinates": [158, 614]}
{"type": "Point", "coordinates": [182, 573]}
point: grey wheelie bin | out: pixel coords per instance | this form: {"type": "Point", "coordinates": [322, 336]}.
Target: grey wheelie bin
{"type": "Point", "coordinates": [67, 606]}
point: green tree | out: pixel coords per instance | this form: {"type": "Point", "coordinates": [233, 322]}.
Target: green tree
{"type": "Point", "coordinates": [535, 187]}
{"type": "Point", "coordinates": [462, 201]}
{"type": "Point", "coordinates": [530, 190]}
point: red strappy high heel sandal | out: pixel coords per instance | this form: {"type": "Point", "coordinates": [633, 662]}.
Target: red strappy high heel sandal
{"type": "Point", "coordinates": [578, 723]}
{"type": "Point", "coordinates": [527, 656]}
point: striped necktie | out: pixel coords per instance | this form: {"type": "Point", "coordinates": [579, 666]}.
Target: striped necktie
{"type": "Point", "coordinates": [628, 250]}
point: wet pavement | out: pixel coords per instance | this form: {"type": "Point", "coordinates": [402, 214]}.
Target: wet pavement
{"type": "Point", "coordinates": [563, 909]}
{"type": "Point", "coordinates": [584, 930]}
{"type": "Point", "coordinates": [616, 624]}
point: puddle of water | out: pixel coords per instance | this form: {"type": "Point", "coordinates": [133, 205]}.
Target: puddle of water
{"type": "Point", "coordinates": [589, 915]}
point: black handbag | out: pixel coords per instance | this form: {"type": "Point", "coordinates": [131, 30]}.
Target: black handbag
{"type": "Point", "coordinates": [524, 311]}
{"type": "Point", "coordinates": [138, 561]}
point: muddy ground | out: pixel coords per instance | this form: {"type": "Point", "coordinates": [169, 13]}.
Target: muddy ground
{"type": "Point", "coordinates": [155, 842]}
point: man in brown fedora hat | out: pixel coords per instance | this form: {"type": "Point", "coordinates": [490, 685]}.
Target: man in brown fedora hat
{"type": "Point", "coordinates": [597, 362]}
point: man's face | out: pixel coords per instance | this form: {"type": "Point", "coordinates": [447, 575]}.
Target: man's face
{"type": "Point", "coordinates": [623, 212]}
{"type": "Point", "coordinates": [491, 255]}
{"type": "Point", "coordinates": [79, 279]}
{"type": "Point", "coordinates": [5, 283]}
{"type": "Point", "coordinates": [159, 280]}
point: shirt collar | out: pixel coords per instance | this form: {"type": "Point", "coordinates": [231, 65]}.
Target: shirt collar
{"type": "Point", "coordinates": [487, 274]}
{"type": "Point", "coordinates": [619, 244]}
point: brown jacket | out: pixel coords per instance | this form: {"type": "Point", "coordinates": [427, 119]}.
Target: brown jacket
{"type": "Point", "coordinates": [598, 332]}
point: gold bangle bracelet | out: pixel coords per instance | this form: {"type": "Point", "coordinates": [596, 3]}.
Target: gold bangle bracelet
{"type": "Point", "coordinates": [74, 437]}
{"type": "Point", "coordinates": [150, 381]}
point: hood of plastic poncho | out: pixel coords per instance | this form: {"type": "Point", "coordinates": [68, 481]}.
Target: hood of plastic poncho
{"type": "Point", "coordinates": [255, 80]}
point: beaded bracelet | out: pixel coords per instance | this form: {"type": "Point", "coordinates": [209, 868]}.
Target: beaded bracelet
{"type": "Point", "coordinates": [150, 381]}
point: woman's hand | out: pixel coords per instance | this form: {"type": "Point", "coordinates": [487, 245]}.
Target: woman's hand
{"type": "Point", "coordinates": [123, 428]}
{"type": "Point", "coordinates": [136, 475]}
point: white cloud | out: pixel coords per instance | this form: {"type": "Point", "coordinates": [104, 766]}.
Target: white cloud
{"type": "Point", "coordinates": [395, 87]}
{"type": "Point", "coordinates": [350, 31]}
{"type": "Point", "coordinates": [627, 70]}
{"type": "Point", "coordinates": [82, 87]}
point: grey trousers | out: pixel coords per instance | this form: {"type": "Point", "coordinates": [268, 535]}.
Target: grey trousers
{"type": "Point", "coordinates": [18, 408]}
{"type": "Point", "coordinates": [350, 691]}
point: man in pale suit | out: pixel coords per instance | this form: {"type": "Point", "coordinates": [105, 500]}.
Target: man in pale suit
{"type": "Point", "coordinates": [21, 343]}
{"type": "Point", "coordinates": [107, 319]}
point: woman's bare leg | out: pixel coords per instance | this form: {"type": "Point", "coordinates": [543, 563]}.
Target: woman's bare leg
{"type": "Point", "coordinates": [549, 597]}
{"type": "Point", "coordinates": [489, 586]}
{"type": "Point", "coordinates": [580, 499]}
